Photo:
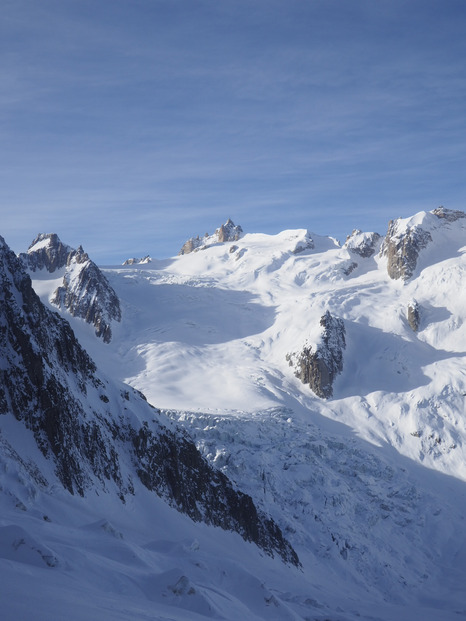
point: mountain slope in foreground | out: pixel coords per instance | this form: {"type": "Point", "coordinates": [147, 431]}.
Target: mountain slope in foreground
{"type": "Point", "coordinates": [67, 431]}
{"type": "Point", "coordinates": [367, 481]}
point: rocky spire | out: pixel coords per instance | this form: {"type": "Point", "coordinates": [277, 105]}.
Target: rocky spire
{"type": "Point", "coordinates": [227, 232]}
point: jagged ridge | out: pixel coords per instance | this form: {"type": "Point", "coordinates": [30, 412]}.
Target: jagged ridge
{"type": "Point", "coordinates": [227, 232]}
{"type": "Point", "coordinates": [85, 291]}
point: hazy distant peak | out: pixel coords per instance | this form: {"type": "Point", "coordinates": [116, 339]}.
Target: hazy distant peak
{"type": "Point", "coordinates": [135, 261]}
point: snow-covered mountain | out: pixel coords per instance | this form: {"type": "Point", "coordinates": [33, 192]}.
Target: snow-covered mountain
{"type": "Point", "coordinates": [87, 435]}
{"type": "Point", "coordinates": [328, 383]}
{"type": "Point", "coordinates": [82, 289]}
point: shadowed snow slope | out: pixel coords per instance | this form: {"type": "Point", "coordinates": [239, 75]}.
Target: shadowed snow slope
{"type": "Point", "coordinates": [369, 485]}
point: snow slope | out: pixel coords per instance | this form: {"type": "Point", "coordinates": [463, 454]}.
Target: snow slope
{"type": "Point", "coordinates": [369, 486]}
{"type": "Point", "coordinates": [210, 331]}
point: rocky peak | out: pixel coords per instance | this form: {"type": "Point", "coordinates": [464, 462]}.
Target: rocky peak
{"type": "Point", "coordinates": [190, 245]}
{"type": "Point", "coordinates": [49, 253]}
{"type": "Point", "coordinates": [39, 353]}
{"type": "Point", "coordinates": [227, 232]}
{"type": "Point", "coordinates": [318, 363]}
{"type": "Point", "coordinates": [85, 292]}
{"type": "Point", "coordinates": [46, 252]}
{"type": "Point", "coordinates": [77, 256]}
{"type": "Point", "coordinates": [135, 261]}
{"type": "Point", "coordinates": [362, 244]}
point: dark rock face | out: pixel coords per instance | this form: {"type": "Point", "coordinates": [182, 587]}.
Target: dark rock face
{"type": "Point", "coordinates": [39, 351]}
{"type": "Point", "coordinates": [318, 366]}
{"type": "Point", "coordinates": [349, 269]}
{"type": "Point", "coordinates": [402, 249]}
{"type": "Point", "coordinates": [227, 232]}
{"type": "Point", "coordinates": [85, 292]}
{"type": "Point", "coordinates": [414, 315]}
{"type": "Point", "coordinates": [50, 253]}
{"type": "Point", "coordinates": [92, 430]}
{"type": "Point", "coordinates": [88, 294]}
{"type": "Point", "coordinates": [362, 244]}
{"type": "Point", "coordinates": [177, 471]}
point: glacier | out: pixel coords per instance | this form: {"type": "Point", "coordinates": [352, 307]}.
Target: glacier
{"type": "Point", "coordinates": [368, 485]}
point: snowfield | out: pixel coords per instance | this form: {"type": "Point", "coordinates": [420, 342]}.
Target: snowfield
{"type": "Point", "coordinates": [368, 486]}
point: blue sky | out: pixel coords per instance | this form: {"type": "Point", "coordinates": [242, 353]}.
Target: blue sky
{"type": "Point", "coordinates": [129, 126]}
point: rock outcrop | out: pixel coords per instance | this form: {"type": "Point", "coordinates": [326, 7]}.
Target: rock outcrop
{"type": "Point", "coordinates": [104, 437]}
{"type": "Point", "coordinates": [141, 261]}
{"type": "Point", "coordinates": [192, 244]}
{"type": "Point", "coordinates": [46, 252]}
{"type": "Point", "coordinates": [174, 468]}
{"type": "Point", "coordinates": [228, 232]}
{"type": "Point", "coordinates": [414, 315]}
{"type": "Point", "coordinates": [406, 238]}
{"type": "Point", "coordinates": [450, 215]}
{"type": "Point", "coordinates": [402, 246]}
{"type": "Point", "coordinates": [85, 291]}
{"type": "Point", "coordinates": [319, 363]}
{"type": "Point", "coordinates": [363, 244]}
{"type": "Point", "coordinates": [307, 243]}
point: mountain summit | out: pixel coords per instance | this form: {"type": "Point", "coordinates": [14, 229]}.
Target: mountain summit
{"type": "Point", "coordinates": [85, 292]}
{"type": "Point", "coordinates": [227, 232]}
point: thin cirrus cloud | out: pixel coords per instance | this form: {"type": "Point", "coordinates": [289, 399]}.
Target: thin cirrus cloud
{"type": "Point", "coordinates": [156, 120]}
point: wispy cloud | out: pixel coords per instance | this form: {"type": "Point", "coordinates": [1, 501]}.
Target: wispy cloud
{"type": "Point", "coordinates": [140, 124]}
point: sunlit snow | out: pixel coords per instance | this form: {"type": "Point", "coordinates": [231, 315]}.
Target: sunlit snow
{"type": "Point", "coordinates": [369, 486]}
